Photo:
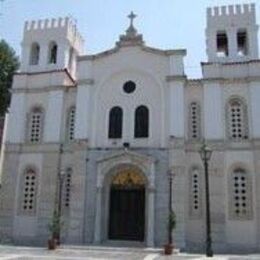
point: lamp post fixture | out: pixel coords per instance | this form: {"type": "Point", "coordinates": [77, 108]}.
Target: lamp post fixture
{"type": "Point", "coordinates": [56, 222]}
{"type": "Point", "coordinates": [61, 180]}
{"type": "Point", "coordinates": [205, 154]}
{"type": "Point", "coordinates": [171, 175]}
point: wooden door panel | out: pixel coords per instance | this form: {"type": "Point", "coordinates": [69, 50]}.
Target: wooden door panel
{"type": "Point", "coordinates": [126, 218]}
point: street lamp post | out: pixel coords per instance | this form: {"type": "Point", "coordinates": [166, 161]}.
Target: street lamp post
{"type": "Point", "coordinates": [205, 154]}
{"type": "Point", "coordinates": [171, 176]}
{"type": "Point", "coordinates": [58, 204]}
{"type": "Point", "coordinates": [61, 180]}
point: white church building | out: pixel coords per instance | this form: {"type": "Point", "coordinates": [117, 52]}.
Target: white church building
{"type": "Point", "coordinates": [116, 123]}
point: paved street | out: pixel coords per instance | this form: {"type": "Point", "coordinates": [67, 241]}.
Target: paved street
{"type": "Point", "coordinates": [102, 253]}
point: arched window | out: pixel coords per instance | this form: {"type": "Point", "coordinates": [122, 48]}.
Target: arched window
{"type": "Point", "coordinates": [53, 51]}
{"type": "Point", "coordinates": [240, 194]}
{"type": "Point", "coordinates": [141, 122]}
{"type": "Point", "coordinates": [29, 192]}
{"type": "Point", "coordinates": [71, 123]}
{"type": "Point", "coordinates": [194, 121]}
{"type": "Point", "coordinates": [222, 44]}
{"type": "Point", "coordinates": [67, 188]}
{"type": "Point", "coordinates": [195, 193]}
{"type": "Point", "coordinates": [242, 42]}
{"type": "Point", "coordinates": [237, 120]}
{"type": "Point", "coordinates": [115, 122]}
{"type": "Point", "coordinates": [35, 129]}
{"type": "Point", "coordinates": [35, 54]}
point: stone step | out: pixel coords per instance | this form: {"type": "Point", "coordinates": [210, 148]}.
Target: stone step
{"type": "Point", "coordinates": [115, 246]}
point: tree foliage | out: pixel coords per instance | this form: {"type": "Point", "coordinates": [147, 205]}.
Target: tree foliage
{"type": "Point", "coordinates": [8, 65]}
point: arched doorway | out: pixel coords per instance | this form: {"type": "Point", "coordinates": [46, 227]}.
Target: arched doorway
{"type": "Point", "coordinates": [127, 206]}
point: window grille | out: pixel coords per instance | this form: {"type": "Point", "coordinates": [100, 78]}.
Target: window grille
{"type": "Point", "coordinates": [194, 121]}
{"type": "Point", "coordinates": [241, 198]}
{"type": "Point", "coordinates": [71, 124]}
{"type": "Point", "coordinates": [237, 120]}
{"type": "Point", "coordinates": [35, 125]}
{"type": "Point", "coordinates": [195, 193]}
{"type": "Point", "coordinates": [29, 192]}
{"type": "Point", "coordinates": [67, 188]}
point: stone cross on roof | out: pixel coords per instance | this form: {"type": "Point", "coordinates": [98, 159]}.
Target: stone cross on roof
{"type": "Point", "coordinates": [132, 16]}
{"type": "Point", "coordinates": [131, 37]}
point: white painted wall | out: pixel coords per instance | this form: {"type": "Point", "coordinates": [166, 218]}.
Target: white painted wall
{"type": "Point", "coordinates": [109, 73]}
{"type": "Point", "coordinates": [214, 127]}
{"type": "Point", "coordinates": [176, 65]}
{"type": "Point", "coordinates": [52, 129]}
{"type": "Point", "coordinates": [109, 94]}
{"type": "Point", "coordinates": [16, 119]}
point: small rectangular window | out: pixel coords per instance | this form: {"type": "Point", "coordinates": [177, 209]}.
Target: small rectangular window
{"type": "Point", "coordinates": [222, 44]}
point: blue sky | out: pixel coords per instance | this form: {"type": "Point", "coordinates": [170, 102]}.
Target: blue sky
{"type": "Point", "coordinates": [166, 24]}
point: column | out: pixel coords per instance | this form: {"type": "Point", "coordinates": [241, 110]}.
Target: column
{"type": "Point", "coordinates": [214, 127]}
{"type": "Point", "coordinates": [150, 224]}
{"type": "Point", "coordinates": [176, 112]}
{"type": "Point", "coordinates": [232, 43]}
{"type": "Point", "coordinates": [97, 235]}
{"type": "Point", "coordinates": [16, 120]}
{"type": "Point", "coordinates": [53, 117]}
{"type": "Point", "coordinates": [255, 108]}
{"type": "Point", "coordinates": [82, 112]}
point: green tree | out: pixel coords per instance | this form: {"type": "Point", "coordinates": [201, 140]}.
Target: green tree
{"type": "Point", "coordinates": [9, 64]}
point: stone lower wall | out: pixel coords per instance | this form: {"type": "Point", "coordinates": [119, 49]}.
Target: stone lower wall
{"type": "Point", "coordinates": [80, 221]}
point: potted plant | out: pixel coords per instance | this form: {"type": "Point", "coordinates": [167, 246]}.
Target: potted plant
{"type": "Point", "coordinates": [54, 228]}
{"type": "Point", "coordinates": [168, 248]}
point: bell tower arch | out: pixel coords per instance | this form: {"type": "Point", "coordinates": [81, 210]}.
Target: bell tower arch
{"type": "Point", "coordinates": [232, 33]}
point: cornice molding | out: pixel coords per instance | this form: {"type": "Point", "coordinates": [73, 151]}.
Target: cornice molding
{"type": "Point", "coordinates": [166, 53]}
{"type": "Point", "coordinates": [86, 82]}
{"type": "Point", "coordinates": [42, 89]}
{"type": "Point", "coordinates": [181, 78]}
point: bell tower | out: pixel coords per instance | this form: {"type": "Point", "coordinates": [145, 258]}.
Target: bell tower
{"type": "Point", "coordinates": [232, 33]}
{"type": "Point", "coordinates": [51, 45]}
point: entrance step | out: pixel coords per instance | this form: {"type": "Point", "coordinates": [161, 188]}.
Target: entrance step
{"type": "Point", "coordinates": [113, 246]}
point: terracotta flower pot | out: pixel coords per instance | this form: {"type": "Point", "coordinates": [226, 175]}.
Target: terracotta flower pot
{"type": "Point", "coordinates": [52, 244]}
{"type": "Point", "coordinates": [168, 249]}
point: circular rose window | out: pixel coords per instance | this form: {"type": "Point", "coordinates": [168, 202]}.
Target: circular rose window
{"type": "Point", "coordinates": [129, 87]}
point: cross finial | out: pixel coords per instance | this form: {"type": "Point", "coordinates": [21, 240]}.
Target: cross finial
{"type": "Point", "coordinates": [132, 16]}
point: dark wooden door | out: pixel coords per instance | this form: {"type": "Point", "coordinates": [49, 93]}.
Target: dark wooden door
{"type": "Point", "coordinates": [127, 209]}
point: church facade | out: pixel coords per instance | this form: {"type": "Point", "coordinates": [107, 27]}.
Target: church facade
{"type": "Point", "coordinates": [110, 128]}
